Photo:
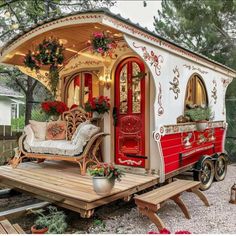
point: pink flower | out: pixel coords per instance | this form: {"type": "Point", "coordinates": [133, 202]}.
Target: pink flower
{"type": "Point", "coordinates": [100, 50]}
{"type": "Point", "coordinates": [109, 45]}
{"type": "Point", "coordinates": [98, 35]}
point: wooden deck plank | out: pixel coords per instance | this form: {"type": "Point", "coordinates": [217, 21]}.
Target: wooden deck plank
{"type": "Point", "coordinates": [82, 181]}
{"type": "Point", "coordinates": [54, 187]}
{"type": "Point", "coordinates": [2, 231]}
{"type": "Point", "coordinates": [18, 229]}
{"type": "Point", "coordinates": [19, 211]}
{"type": "Point", "coordinates": [8, 227]}
{"type": "Point", "coordinates": [62, 184]}
{"type": "Point", "coordinates": [85, 191]}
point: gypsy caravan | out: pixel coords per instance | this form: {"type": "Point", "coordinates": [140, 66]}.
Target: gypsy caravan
{"type": "Point", "coordinates": [152, 84]}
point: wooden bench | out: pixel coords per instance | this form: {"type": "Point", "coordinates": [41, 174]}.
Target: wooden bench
{"type": "Point", "coordinates": [149, 203]}
{"type": "Point", "coordinates": [73, 118]}
{"type": "Point", "coordinates": [7, 228]}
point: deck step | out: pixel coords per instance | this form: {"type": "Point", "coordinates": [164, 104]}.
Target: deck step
{"type": "Point", "coordinates": [149, 203]}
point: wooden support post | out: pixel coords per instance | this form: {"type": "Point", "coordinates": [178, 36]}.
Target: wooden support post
{"type": "Point", "coordinates": [153, 217]}
{"type": "Point", "coordinates": [181, 205]}
{"type": "Point", "coordinates": [200, 195]}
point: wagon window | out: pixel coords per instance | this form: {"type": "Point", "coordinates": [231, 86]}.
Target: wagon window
{"type": "Point", "coordinates": [82, 87]}
{"type": "Point", "coordinates": [196, 92]}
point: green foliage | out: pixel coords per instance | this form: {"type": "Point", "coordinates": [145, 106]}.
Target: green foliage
{"type": "Point", "coordinates": [18, 15]}
{"type": "Point", "coordinates": [55, 220]}
{"type": "Point", "coordinates": [106, 170]}
{"type": "Point", "coordinates": [199, 113]}
{"type": "Point", "coordinates": [230, 147]}
{"type": "Point", "coordinates": [37, 114]}
{"type": "Point", "coordinates": [98, 222]}
{"type": "Point", "coordinates": [18, 123]}
{"type": "Point", "coordinates": [207, 27]}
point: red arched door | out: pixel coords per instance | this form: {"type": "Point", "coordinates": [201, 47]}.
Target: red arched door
{"type": "Point", "coordinates": [129, 113]}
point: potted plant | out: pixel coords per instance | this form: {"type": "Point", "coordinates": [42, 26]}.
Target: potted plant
{"type": "Point", "coordinates": [104, 176]}
{"type": "Point", "coordinates": [201, 115]}
{"type": "Point", "coordinates": [102, 43]}
{"type": "Point", "coordinates": [98, 106]}
{"type": "Point", "coordinates": [50, 52]}
{"type": "Point", "coordinates": [54, 108]}
{"type": "Point", "coordinates": [53, 223]}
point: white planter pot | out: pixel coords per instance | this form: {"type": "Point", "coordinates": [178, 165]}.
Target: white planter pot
{"type": "Point", "coordinates": [102, 185]}
{"type": "Point", "coordinates": [201, 125]}
{"type": "Point", "coordinates": [96, 115]}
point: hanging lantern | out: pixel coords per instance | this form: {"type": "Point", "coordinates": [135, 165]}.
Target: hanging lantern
{"type": "Point", "coordinates": [233, 194]}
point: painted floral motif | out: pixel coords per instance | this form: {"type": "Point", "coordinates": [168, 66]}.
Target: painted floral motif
{"type": "Point", "coordinates": [152, 58]}
{"type": "Point", "coordinates": [214, 91]}
{"type": "Point", "coordinates": [201, 139]}
{"type": "Point", "coordinates": [160, 109]}
{"type": "Point", "coordinates": [130, 162]}
{"type": "Point", "coordinates": [225, 82]}
{"type": "Point", "coordinates": [187, 139]}
{"type": "Point", "coordinates": [175, 83]}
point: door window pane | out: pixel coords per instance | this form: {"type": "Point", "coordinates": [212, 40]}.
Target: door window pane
{"type": "Point", "coordinates": [136, 88]}
{"type": "Point", "coordinates": [123, 90]}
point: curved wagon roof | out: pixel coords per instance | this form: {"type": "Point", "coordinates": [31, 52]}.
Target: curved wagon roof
{"type": "Point", "coordinates": [77, 29]}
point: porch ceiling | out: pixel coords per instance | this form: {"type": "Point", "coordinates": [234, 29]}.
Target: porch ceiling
{"type": "Point", "coordinates": [75, 39]}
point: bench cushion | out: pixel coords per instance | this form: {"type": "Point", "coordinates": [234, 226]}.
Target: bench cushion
{"type": "Point", "coordinates": [57, 147]}
{"type": "Point", "coordinates": [56, 130]}
{"type": "Point", "coordinates": [75, 136]}
{"type": "Point", "coordinates": [39, 129]}
{"type": "Point", "coordinates": [60, 147]}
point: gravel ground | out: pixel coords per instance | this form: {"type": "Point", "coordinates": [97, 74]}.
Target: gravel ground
{"type": "Point", "coordinates": [219, 218]}
{"type": "Point", "coordinates": [122, 217]}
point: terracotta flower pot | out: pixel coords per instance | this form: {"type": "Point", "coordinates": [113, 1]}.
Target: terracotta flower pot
{"type": "Point", "coordinates": [102, 185]}
{"type": "Point", "coordinates": [38, 231]}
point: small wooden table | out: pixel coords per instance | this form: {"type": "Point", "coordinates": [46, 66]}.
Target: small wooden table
{"type": "Point", "coordinates": [149, 203]}
{"type": "Point", "coordinates": [7, 228]}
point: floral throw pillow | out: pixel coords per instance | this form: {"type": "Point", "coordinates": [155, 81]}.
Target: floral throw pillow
{"type": "Point", "coordinates": [56, 130]}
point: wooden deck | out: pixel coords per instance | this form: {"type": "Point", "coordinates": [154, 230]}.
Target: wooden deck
{"type": "Point", "coordinates": [61, 184]}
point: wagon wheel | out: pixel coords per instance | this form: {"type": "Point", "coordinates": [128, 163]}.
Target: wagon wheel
{"type": "Point", "coordinates": [205, 175]}
{"type": "Point", "coordinates": [220, 168]}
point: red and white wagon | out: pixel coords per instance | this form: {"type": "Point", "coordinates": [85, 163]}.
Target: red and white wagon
{"type": "Point", "coordinates": [149, 81]}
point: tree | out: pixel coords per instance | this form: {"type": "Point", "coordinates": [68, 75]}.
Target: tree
{"type": "Point", "coordinates": [18, 15]}
{"type": "Point", "coordinates": [205, 26]}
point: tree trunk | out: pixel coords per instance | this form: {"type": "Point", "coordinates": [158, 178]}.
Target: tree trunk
{"type": "Point", "coordinates": [29, 100]}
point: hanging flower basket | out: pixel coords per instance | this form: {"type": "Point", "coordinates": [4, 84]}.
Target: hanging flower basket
{"type": "Point", "coordinates": [103, 44]}
{"type": "Point", "coordinates": [48, 53]}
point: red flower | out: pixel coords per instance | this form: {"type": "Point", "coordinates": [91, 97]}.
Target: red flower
{"type": "Point", "coordinates": [54, 107]}
{"type": "Point", "coordinates": [73, 106]}
{"type": "Point", "coordinates": [164, 231]}
{"type": "Point", "coordinates": [182, 232]}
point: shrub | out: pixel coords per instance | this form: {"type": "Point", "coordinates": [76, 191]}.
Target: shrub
{"type": "Point", "coordinates": [199, 113]}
